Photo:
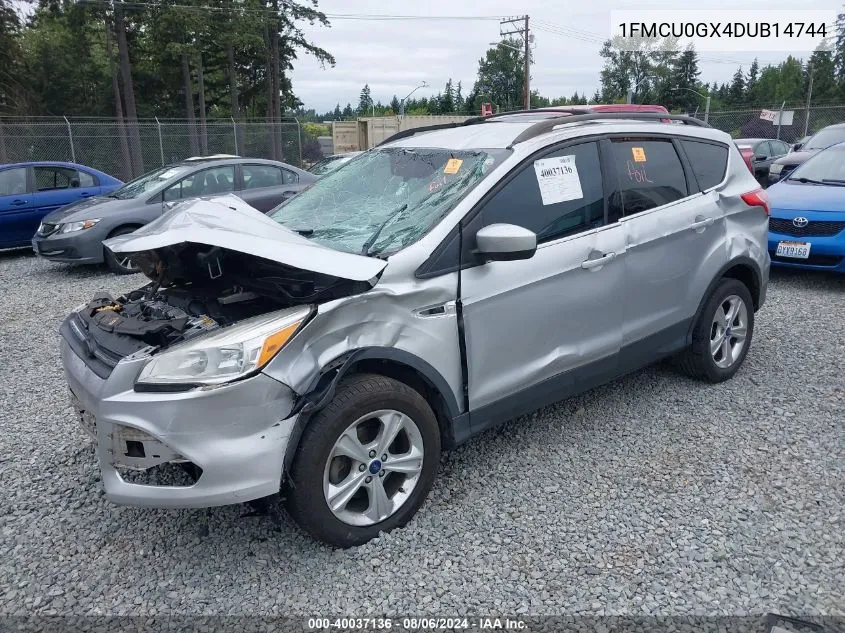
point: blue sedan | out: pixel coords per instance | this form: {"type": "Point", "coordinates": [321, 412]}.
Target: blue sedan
{"type": "Point", "coordinates": [29, 191]}
{"type": "Point", "coordinates": [807, 223]}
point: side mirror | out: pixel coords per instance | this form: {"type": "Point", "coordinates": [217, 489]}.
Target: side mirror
{"type": "Point", "coordinates": [505, 242]}
{"type": "Point", "coordinates": [797, 146]}
{"type": "Point", "coordinates": [759, 157]}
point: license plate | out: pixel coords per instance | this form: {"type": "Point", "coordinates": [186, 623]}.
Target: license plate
{"type": "Point", "coordinates": [86, 419]}
{"type": "Point", "coordinates": [796, 250]}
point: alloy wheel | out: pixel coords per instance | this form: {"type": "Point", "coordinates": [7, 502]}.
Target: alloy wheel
{"type": "Point", "coordinates": [373, 467]}
{"type": "Point", "coordinates": [729, 331]}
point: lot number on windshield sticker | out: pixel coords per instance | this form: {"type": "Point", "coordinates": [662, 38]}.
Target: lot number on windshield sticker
{"type": "Point", "coordinates": [558, 179]}
{"type": "Point", "coordinates": [639, 154]}
{"type": "Point", "coordinates": [452, 166]}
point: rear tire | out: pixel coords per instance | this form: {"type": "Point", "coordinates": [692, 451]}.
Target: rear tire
{"type": "Point", "coordinates": [118, 264]}
{"type": "Point", "coordinates": [722, 334]}
{"type": "Point", "coordinates": [341, 460]}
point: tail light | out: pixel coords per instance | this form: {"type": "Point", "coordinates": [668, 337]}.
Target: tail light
{"type": "Point", "coordinates": [757, 198]}
{"type": "Point", "coordinates": [747, 154]}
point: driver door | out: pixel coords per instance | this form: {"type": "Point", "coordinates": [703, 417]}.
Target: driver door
{"type": "Point", "coordinates": [537, 330]}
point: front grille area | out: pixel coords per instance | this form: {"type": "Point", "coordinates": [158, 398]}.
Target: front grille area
{"type": "Point", "coordinates": [98, 359]}
{"type": "Point", "coordinates": [812, 260]}
{"type": "Point", "coordinates": [815, 228]}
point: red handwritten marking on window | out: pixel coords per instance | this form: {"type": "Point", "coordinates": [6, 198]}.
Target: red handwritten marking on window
{"type": "Point", "coordinates": [637, 174]}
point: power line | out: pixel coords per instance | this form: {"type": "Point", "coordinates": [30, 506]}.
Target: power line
{"type": "Point", "coordinates": [371, 17]}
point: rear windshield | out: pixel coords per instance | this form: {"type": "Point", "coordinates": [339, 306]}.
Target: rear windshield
{"type": "Point", "coordinates": [386, 198]}
{"type": "Point", "coordinates": [826, 138]}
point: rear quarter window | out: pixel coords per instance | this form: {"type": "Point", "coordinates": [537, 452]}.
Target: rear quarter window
{"type": "Point", "coordinates": [709, 162]}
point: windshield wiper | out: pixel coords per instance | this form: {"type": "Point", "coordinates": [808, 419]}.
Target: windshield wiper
{"type": "Point", "coordinates": [365, 249]}
{"type": "Point", "coordinates": [834, 181]}
{"type": "Point", "coordinates": [805, 181]}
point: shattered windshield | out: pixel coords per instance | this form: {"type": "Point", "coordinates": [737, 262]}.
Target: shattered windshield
{"type": "Point", "coordinates": [386, 198]}
{"type": "Point", "coordinates": [148, 182]}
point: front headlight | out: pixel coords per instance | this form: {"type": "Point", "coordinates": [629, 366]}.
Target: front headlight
{"type": "Point", "coordinates": [227, 354]}
{"type": "Point", "coordinates": [776, 168]}
{"type": "Point", "coordinates": [70, 227]}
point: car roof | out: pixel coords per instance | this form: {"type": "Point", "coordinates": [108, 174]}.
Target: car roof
{"type": "Point", "coordinates": [501, 131]}
{"type": "Point", "coordinates": [753, 140]}
{"type": "Point", "coordinates": [213, 161]}
{"type": "Point", "coordinates": [50, 163]}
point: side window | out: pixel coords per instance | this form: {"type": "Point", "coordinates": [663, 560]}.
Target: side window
{"type": "Point", "coordinates": [554, 196]}
{"type": "Point", "coordinates": [13, 181]}
{"type": "Point", "coordinates": [779, 148]}
{"type": "Point", "coordinates": [763, 149]}
{"type": "Point", "coordinates": [257, 176]}
{"type": "Point", "coordinates": [87, 180]}
{"type": "Point", "coordinates": [290, 177]}
{"type": "Point", "coordinates": [50, 178]}
{"type": "Point", "coordinates": [209, 182]}
{"type": "Point", "coordinates": [709, 162]}
{"type": "Point", "coordinates": [649, 174]}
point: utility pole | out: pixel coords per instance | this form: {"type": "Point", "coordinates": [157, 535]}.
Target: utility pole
{"type": "Point", "coordinates": [524, 32]}
{"type": "Point", "coordinates": [809, 98]}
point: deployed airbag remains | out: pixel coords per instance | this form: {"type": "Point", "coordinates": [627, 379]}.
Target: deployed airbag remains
{"type": "Point", "coordinates": [229, 223]}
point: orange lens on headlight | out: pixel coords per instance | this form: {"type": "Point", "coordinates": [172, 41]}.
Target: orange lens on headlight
{"type": "Point", "coordinates": [275, 342]}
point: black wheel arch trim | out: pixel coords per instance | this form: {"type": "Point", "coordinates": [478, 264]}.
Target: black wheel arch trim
{"type": "Point", "coordinates": [322, 388]}
{"type": "Point", "coordinates": [756, 293]}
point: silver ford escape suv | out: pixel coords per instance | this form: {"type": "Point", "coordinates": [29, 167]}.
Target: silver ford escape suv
{"type": "Point", "coordinates": [448, 280]}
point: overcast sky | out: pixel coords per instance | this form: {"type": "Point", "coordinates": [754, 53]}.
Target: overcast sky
{"type": "Point", "coordinates": [395, 56]}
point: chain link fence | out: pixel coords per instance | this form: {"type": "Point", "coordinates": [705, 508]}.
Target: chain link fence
{"type": "Point", "coordinates": [126, 150]}
{"type": "Point", "coordinates": [746, 123]}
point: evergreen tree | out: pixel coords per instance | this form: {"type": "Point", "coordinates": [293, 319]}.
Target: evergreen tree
{"type": "Point", "coordinates": [823, 69]}
{"type": "Point", "coordinates": [459, 99]}
{"type": "Point", "coordinates": [839, 55]}
{"type": "Point", "coordinates": [447, 99]}
{"type": "Point", "coordinates": [365, 101]}
{"type": "Point", "coordinates": [751, 83]}
{"type": "Point", "coordinates": [684, 80]}
{"type": "Point", "coordinates": [348, 113]}
{"type": "Point", "coordinates": [395, 105]}
{"type": "Point", "coordinates": [337, 114]}
{"type": "Point", "coordinates": [736, 92]}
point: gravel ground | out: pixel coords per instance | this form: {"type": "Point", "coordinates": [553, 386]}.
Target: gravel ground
{"type": "Point", "coordinates": [652, 495]}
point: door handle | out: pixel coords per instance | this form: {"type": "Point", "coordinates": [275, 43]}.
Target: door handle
{"type": "Point", "coordinates": [606, 258]}
{"type": "Point", "coordinates": [700, 224]}
{"type": "Point", "coordinates": [17, 203]}
{"type": "Point", "coordinates": [86, 194]}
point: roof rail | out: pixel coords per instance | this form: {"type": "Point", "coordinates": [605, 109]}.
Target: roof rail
{"type": "Point", "coordinates": [430, 128]}
{"type": "Point", "coordinates": [547, 125]}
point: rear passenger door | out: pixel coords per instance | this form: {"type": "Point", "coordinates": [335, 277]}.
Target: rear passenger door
{"type": "Point", "coordinates": [57, 186]}
{"type": "Point", "coordinates": [541, 326]}
{"type": "Point", "coordinates": [266, 186]}
{"type": "Point", "coordinates": [674, 232]}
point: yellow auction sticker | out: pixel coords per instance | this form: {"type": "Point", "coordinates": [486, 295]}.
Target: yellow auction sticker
{"type": "Point", "coordinates": [639, 154]}
{"type": "Point", "coordinates": [452, 166]}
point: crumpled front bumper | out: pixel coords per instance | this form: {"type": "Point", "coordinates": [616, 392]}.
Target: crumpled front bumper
{"type": "Point", "coordinates": [236, 434]}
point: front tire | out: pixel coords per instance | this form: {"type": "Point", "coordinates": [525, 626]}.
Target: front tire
{"type": "Point", "coordinates": [365, 463]}
{"type": "Point", "coordinates": [120, 264]}
{"type": "Point", "coordinates": [722, 334]}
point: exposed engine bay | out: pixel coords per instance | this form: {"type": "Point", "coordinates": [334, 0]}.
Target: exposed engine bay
{"type": "Point", "coordinates": [195, 289]}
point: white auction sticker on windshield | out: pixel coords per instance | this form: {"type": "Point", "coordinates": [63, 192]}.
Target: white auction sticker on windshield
{"type": "Point", "coordinates": [558, 179]}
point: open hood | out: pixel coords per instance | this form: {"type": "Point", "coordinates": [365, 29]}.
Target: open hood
{"type": "Point", "coordinates": [229, 223]}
